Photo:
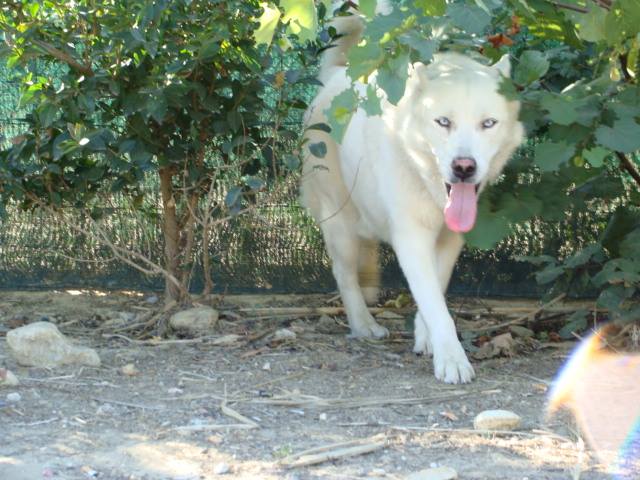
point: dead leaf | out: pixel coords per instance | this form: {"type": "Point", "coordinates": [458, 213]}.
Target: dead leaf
{"type": "Point", "coordinates": [450, 416]}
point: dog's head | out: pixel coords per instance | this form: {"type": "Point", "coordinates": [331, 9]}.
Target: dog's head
{"type": "Point", "coordinates": [460, 121]}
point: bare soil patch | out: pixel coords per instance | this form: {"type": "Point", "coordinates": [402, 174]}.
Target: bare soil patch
{"type": "Point", "coordinates": [190, 409]}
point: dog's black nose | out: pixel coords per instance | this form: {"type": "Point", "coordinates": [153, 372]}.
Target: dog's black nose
{"type": "Point", "coordinates": [463, 167]}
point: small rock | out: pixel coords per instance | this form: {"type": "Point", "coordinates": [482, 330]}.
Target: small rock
{"type": "Point", "coordinates": [129, 370]}
{"type": "Point", "coordinates": [13, 397]}
{"type": "Point", "coordinates": [7, 378]}
{"type": "Point", "coordinates": [502, 345]}
{"type": "Point", "coordinates": [221, 468]}
{"type": "Point", "coordinates": [496, 420]}
{"type": "Point", "coordinates": [153, 299]}
{"type": "Point", "coordinates": [520, 331]}
{"type": "Point", "coordinates": [41, 344]}
{"type": "Point", "coordinates": [284, 334]}
{"type": "Point", "coordinates": [326, 324]}
{"type": "Point", "coordinates": [266, 366]}
{"type": "Point", "coordinates": [439, 473]}
{"type": "Point", "coordinates": [195, 320]}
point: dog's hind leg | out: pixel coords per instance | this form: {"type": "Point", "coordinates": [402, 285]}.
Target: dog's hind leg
{"type": "Point", "coordinates": [343, 246]}
{"type": "Point", "coordinates": [369, 270]}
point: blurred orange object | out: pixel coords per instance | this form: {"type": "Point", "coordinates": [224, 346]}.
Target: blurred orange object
{"type": "Point", "coordinates": [602, 390]}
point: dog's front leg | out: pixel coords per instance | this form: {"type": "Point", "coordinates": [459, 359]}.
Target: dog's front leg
{"type": "Point", "coordinates": [415, 247]}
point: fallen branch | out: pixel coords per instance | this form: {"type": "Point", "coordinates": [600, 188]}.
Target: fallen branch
{"type": "Point", "coordinates": [127, 404]}
{"type": "Point", "coordinates": [521, 319]}
{"type": "Point", "coordinates": [310, 401]}
{"type": "Point", "coordinates": [471, 431]}
{"type": "Point", "coordinates": [314, 311]}
{"type": "Point", "coordinates": [230, 412]}
{"type": "Point", "coordinates": [335, 451]}
{"type": "Point", "coordinates": [211, 427]}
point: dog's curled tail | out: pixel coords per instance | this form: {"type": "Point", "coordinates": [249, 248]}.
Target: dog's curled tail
{"type": "Point", "coordinates": [349, 29]}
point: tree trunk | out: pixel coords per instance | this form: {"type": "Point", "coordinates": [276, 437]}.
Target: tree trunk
{"type": "Point", "coordinates": [171, 232]}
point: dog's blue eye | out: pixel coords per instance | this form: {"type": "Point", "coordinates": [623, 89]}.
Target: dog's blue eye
{"type": "Point", "coordinates": [489, 122]}
{"type": "Point", "coordinates": [443, 122]}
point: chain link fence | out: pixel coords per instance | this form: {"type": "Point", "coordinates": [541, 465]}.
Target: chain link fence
{"type": "Point", "coordinates": [275, 247]}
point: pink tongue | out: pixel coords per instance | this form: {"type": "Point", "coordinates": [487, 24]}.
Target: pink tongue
{"type": "Point", "coordinates": [461, 208]}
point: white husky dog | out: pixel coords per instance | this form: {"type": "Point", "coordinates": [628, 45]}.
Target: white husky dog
{"type": "Point", "coordinates": [409, 177]}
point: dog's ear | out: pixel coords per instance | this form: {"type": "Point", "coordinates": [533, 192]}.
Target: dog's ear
{"type": "Point", "coordinates": [503, 65]}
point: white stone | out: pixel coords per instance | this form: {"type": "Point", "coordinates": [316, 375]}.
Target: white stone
{"type": "Point", "coordinates": [496, 420]}
{"type": "Point", "coordinates": [41, 344]}
{"type": "Point", "coordinates": [7, 378]}
{"type": "Point", "coordinates": [129, 370]}
{"type": "Point", "coordinates": [221, 468]}
{"type": "Point", "coordinates": [13, 397]}
{"type": "Point", "coordinates": [195, 320]}
{"type": "Point", "coordinates": [284, 334]}
{"type": "Point", "coordinates": [439, 473]}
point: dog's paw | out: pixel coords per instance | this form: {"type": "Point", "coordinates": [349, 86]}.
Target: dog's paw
{"type": "Point", "coordinates": [369, 329]}
{"type": "Point", "coordinates": [451, 365]}
{"type": "Point", "coordinates": [422, 344]}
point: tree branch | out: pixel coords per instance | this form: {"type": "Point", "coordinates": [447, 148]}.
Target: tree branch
{"type": "Point", "coordinates": [606, 4]}
{"type": "Point", "coordinates": [624, 66]}
{"type": "Point", "coordinates": [64, 57]}
{"type": "Point", "coordinates": [573, 8]}
{"type": "Point", "coordinates": [628, 165]}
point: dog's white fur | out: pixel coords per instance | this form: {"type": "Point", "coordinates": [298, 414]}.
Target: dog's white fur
{"type": "Point", "coordinates": [386, 182]}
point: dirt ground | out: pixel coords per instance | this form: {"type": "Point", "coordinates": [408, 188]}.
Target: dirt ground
{"type": "Point", "coordinates": [196, 410]}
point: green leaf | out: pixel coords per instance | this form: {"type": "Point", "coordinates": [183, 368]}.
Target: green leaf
{"type": "Point", "coordinates": [425, 47]}
{"type": "Point", "coordinates": [292, 162]}
{"type": "Point", "coordinates": [576, 323]}
{"type": "Point", "coordinates": [318, 149]}
{"type": "Point", "coordinates": [561, 109]}
{"type": "Point", "coordinates": [591, 25]}
{"type": "Point", "coordinates": [368, 7]}
{"type": "Point", "coordinates": [623, 221]}
{"type": "Point", "coordinates": [583, 256]}
{"type": "Point", "coordinates": [533, 65]}
{"type": "Point", "coordinates": [371, 103]}
{"type": "Point", "coordinates": [392, 77]}
{"type": "Point", "coordinates": [364, 59]}
{"type": "Point", "coordinates": [323, 127]}
{"type": "Point", "coordinates": [301, 17]}
{"type": "Point", "coordinates": [491, 227]}
{"type": "Point", "coordinates": [623, 137]}
{"type": "Point", "coordinates": [470, 18]}
{"type": "Point", "coordinates": [596, 155]}
{"type": "Point", "coordinates": [233, 197]}
{"type": "Point", "coordinates": [432, 8]}
{"type": "Point", "coordinates": [268, 23]}
{"type": "Point", "coordinates": [550, 156]}
{"type": "Point", "coordinates": [339, 113]}
{"type": "Point", "coordinates": [549, 274]}
{"type": "Point", "coordinates": [613, 296]}
{"type": "Point", "coordinates": [630, 245]}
